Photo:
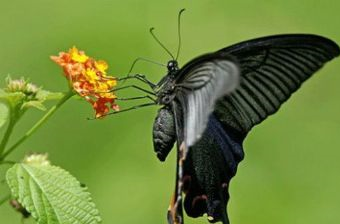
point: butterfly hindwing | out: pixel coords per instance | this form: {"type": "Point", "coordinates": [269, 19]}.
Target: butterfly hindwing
{"type": "Point", "coordinates": [175, 210]}
{"type": "Point", "coordinates": [205, 174]}
{"type": "Point", "coordinates": [211, 163]}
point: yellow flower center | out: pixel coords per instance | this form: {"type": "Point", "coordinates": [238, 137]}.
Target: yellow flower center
{"type": "Point", "coordinates": [101, 66]}
{"type": "Point", "coordinates": [91, 75]}
{"type": "Point", "coordinates": [78, 56]}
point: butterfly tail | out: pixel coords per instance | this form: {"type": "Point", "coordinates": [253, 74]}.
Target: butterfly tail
{"type": "Point", "coordinates": [175, 211]}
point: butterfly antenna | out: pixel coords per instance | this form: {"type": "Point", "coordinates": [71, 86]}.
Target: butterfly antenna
{"type": "Point", "coordinates": [160, 43]}
{"type": "Point", "coordinates": [179, 32]}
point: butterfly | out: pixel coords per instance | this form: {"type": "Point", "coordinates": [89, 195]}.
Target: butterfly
{"type": "Point", "coordinates": [212, 102]}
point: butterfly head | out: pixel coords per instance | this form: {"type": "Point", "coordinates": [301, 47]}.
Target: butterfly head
{"type": "Point", "coordinates": [172, 66]}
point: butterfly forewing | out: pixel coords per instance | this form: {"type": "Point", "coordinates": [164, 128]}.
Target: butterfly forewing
{"type": "Point", "coordinates": [198, 88]}
{"type": "Point", "coordinates": [272, 69]}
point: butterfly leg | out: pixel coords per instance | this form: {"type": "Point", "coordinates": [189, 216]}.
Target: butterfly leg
{"type": "Point", "coordinates": [146, 60]}
{"type": "Point", "coordinates": [138, 98]}
{"type": "Point", "coordinates": [141, 78]}
{"type": "Point", "coordinates": [132, 108]}
{"type": "Point", "coordinates": [124, 110]}
{"type": "Point", "coordinates": [135, 87]}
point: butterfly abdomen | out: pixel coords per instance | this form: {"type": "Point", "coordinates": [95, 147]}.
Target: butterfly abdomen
{"type": "Point", "coordinates": [164, 134]}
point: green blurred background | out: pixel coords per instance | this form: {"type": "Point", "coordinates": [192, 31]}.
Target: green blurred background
{"type": "Point", "coordinates": [291, 170]}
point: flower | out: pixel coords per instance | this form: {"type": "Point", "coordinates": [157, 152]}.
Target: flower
{"type": "Point", "coordinates": [37, 159]}
{"type": "Point", "coordinates": [23, 86]}
{"type": "Point", "coordinates": [89, 79]}
{"type": "Point", "coordinates": [19, 95]}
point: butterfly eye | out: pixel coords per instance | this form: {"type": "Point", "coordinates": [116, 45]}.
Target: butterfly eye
{"type": "Point", "coordinates": [172, 65]}
{"type": "Point", "coordinates": [166, 99]}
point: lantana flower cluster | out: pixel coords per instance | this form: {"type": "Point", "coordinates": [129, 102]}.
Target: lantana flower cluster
{"type": "Point", "coordinates": [88, 77]}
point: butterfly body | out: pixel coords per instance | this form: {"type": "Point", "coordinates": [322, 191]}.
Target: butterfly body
{"type": "Point", "coordinates": [165, 87]}
{"type": "Point", "coordinates": [212, 102]}
{"type": "Point", "coordinates": [164, 132]}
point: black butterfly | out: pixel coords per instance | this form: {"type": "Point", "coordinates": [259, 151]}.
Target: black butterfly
{"type": "Point", "coordinates": [212, 102]}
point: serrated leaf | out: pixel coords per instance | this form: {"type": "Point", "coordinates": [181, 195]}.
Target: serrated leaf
{"type": "Point", "coordinates": [51, 194]}
{"type": "Point", "coordinates": [35, 104]}
{"type": "Point", "coordinates": [4, 112]}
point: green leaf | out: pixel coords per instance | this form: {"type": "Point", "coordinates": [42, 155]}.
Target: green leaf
{"type": "Point", "coordinates": [35, 104]}
{"type": "Point", "coordinates": [43, 95]}
{"type": "Point", "coordinates": [4, 112]}
{"type": "Point", "coordinates": [2, 93]}
{"type": "Point", "coordinates": [11, 99]}
{"type": "Point", "coordinates": [50, 194]}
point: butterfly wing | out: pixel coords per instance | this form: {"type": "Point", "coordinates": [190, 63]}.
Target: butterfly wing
{"type": "Point", "coordinates": [201, 82]}
{"type": "Point", "coordinates": [175, 210]}
{"type": "Point", "coordinates": [211, 163]}
{"type": "Point", "coordinates": [273, 68]}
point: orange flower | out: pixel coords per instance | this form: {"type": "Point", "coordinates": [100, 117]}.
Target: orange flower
{"type": "Point", "coordinates": [88, 78]}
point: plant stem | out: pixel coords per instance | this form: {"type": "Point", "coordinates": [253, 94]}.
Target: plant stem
{"type": "Point", "coordinates": [7, 134]}
{"type": "Point", "coordinates": [38, 124]}
{"type": "Point", "coordinates": [6, 198]}
{"type": "Point", "coordinates": [3, 162]}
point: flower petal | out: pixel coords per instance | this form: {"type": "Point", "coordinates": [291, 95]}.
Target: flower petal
{"type": "Point", "coordinates": [88, 78]}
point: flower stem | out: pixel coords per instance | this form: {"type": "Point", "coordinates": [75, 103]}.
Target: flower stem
{"type": "Point", "coordinates": [4, 162]}
{"type": "Point", "coordinates": [4, 199]}
{"type": "Point", "coordinates": [7, 134]}
{"type": "Point", "coordinates": [38, 124]}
